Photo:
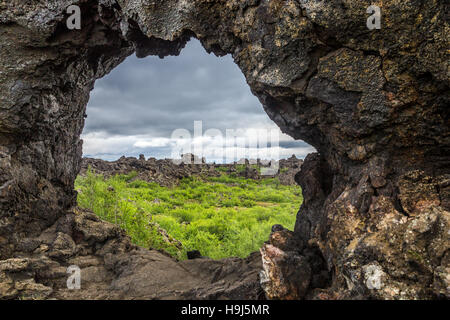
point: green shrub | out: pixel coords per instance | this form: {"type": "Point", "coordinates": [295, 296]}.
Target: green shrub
{"type": "Point", "coordinates": [221, 216]}
{"type": "Point", "coordinates": [284, 170]}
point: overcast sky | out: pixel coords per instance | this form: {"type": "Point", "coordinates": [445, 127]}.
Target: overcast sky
{"type": "Point", "coordinates": [151, 106]}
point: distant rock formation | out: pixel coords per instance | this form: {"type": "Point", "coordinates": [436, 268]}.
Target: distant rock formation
{"type": "Point", "coordinates": [168, 172]}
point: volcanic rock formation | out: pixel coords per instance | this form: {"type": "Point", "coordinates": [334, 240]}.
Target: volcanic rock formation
{"type": "Point", "coordinates": [374, 103]}
{"type": "Point", "coordinates": [168, 172]}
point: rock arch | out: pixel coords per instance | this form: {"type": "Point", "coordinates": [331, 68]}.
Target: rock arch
{"type": "Point", "coordinates": [373, 103]}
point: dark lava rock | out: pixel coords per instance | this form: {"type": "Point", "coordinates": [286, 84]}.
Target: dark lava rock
{"type": "Point", "coordinates": [374, 104]}
{"type": "Point", "coordinates": [168, 172]}
{"type": "Point", "coordinates": [195, 254]}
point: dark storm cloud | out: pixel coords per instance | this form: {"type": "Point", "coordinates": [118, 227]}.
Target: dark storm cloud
{"type": "Point", "coordinates": [152, 97]}
{"type": "Point", "coordinates": [156, 96]}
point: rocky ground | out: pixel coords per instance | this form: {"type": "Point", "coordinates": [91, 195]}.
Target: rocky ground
{"type": "Point", "coordinates": [374, 103]}
{"type": "Point", "coordinates": [113, 268]}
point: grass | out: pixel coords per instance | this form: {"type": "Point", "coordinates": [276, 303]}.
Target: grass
{"type": "Point", "coordinates": [221, 217]}
{"type": "Point", "coordinates": [284, 170]}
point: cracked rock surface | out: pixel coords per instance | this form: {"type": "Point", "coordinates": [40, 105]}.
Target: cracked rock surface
{"type": "Point", "coordinates": [375, 220]}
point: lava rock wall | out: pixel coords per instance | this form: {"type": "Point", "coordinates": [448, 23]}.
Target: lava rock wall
{"type": "Point", "coordinates": [374, 103]}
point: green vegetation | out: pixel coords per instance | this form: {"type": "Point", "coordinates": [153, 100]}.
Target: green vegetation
{"type": "Point", "coordinates": [221, 217]}
{"type": "Point", "coordinates": [240, 168]}
{"type": "Point", "coordinates": [222, 169]}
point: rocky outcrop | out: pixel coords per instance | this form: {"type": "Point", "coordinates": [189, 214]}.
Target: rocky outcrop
{"type": "Point", "coordinates": [168, 172]}
{"type": "Point", "coordinates": [113, 268]}
{"type": "Point", "coordinates": [374, 103]}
